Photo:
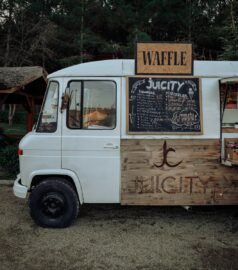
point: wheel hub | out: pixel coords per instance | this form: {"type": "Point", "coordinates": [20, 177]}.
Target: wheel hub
{"type": "Point", "coordinates": [53, 205]}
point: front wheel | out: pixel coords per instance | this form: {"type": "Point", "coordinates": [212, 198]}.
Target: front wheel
{"type": "Point", "coordinates": [54, 203]}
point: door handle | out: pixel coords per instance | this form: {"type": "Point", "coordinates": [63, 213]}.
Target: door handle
{"type": "Point", "coordinates": [110, 146]}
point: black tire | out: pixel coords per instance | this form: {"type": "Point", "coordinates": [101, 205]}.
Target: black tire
{"type": "Point", "coordinates": [54, 203]}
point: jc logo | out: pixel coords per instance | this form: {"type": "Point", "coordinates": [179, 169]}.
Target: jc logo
{"type": "Point", "coordinates": [165, 157]}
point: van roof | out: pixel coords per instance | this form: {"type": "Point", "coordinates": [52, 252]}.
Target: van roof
{"type": "Point", "coordinates": [126, 67]}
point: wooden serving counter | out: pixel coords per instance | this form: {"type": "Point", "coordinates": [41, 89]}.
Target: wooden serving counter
{"type": "Point", "coordinates": [229, 130]}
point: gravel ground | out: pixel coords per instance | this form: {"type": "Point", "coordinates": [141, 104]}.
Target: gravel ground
{"type": "Point", "coordinates": [116, 237]}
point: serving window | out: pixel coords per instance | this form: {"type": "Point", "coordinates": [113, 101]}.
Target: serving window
{"type": "Point", "coordinates": [229, 106]}
{"type": "Point", "coordinates": [229, 120]}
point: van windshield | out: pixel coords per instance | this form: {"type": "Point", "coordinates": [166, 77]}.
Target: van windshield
{"type": "Point", "coordinates": [48, 117]}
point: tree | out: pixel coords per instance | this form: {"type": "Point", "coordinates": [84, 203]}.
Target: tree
{"type": "Point", "coordinates": [59, 33]}
{"type": "Point", "coordinates": [230, 31]}
{"type": "Point", "coordinates": [7, 8]}
{"type": "Point", "coordinates": [27, 34]}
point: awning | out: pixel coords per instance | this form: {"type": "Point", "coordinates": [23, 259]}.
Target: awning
{"type": "Point", "coordinates": [230, 80]}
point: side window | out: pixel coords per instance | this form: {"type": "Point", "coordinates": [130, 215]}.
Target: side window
{"type": "Point", "coordinates": [99, 105]}
{"type": "Point", "coordinates": [92, 105]}
{"type": "Point", "coordinates": [48, 117]}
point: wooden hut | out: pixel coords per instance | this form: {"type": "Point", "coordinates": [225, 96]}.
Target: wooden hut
{"type": "Point", "coordinates": [23, 85]}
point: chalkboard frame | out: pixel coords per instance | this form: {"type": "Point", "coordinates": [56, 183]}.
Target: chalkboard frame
{"type": "Point", "coordinates": [167, 132]}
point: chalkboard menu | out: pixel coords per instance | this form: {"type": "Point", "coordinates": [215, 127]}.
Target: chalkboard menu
{"type": "Point", "coordinates": [164, 105]}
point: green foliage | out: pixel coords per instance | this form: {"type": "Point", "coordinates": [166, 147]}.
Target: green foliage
{"type": "Point", "coordinates": [19, 117]}
{"type": "Point", "coordinates": [16, 129]}
{"type": "Point", "coordinates": [60, 33]}
{"type": "Point", "coordinates": [230, 48]}
{"type": "Point", "coordinates": [9, 159]}
{"type": "Point", "coordinates": [4, 117]}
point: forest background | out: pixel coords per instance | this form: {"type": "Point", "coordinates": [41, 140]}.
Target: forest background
{"type": "Point", "coordinates": [59, 33]}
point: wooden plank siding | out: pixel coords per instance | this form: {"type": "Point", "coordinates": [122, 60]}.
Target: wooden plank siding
{"type": "Point", "coordinates": [176, 172]}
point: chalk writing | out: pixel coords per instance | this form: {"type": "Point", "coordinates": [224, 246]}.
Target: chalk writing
{"type": "Point", "coordinates": [164, 105]}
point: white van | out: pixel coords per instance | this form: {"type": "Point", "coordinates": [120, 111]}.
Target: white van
{"type": "Point", "coordinates": [83, 151]}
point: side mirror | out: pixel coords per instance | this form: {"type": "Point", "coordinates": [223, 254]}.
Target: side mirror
{"type": "Point", "coordinates": [65, 100]}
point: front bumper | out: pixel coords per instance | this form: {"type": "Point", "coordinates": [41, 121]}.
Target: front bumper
{"type": "Point", "coordinates": [18, 189]}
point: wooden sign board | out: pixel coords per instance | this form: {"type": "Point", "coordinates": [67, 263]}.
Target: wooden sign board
{"type": "Point", "coordinates": [164, 58]}
{"type": "Point", "coordinates": [176, 172]}
{"type": "Point", "coordinates": [164, 105]}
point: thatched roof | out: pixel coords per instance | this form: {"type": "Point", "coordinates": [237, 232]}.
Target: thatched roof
{"type": "Point", "coordinates": [14, 78]}
{"type": "Point", "coordinates": [17, 84]}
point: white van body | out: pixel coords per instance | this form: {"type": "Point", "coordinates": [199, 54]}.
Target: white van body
{"type": "Point", "coordinates": [91, 158]}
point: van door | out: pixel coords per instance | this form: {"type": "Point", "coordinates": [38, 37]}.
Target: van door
{"type": "Point", "coordinates": [91, 137]}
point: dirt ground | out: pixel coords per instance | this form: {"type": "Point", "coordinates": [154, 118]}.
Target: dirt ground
{"type": "Point", "coordinates": [116, 237]}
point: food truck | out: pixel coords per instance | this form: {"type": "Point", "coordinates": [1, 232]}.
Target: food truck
{"type": "Point", "coordinates": [110, 134]}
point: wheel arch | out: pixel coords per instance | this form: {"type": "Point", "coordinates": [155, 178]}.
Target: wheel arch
{"type": "Point", "coordinates": [40, 175]}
